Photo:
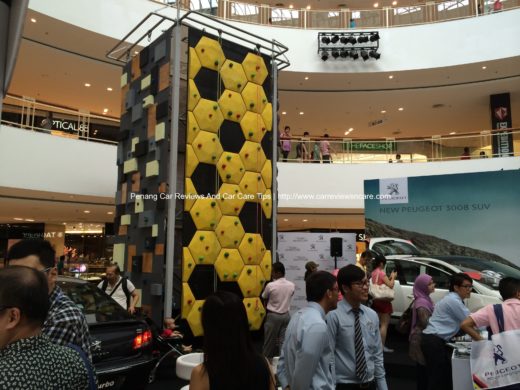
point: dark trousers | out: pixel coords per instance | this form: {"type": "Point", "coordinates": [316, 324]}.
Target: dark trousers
{"type": "Point", "coordinates": [285, 154]}
{"type": "Point", "coordinates": [422, 377]}
{"type": "Point", "coordinates": [356, 386]}
{"type": "Point", "coordinates": [274, 333]}
{"type": "Point", "coordinates": [326, 159]}
{"type": "Point", "coordinates": [438, 362]}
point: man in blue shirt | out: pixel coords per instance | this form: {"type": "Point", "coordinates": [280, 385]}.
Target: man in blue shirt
{"type": "Point", "coordinates": [443, 325]}
{"type": "Point", "coordinates": [355, 332]}
{"type": "Point", "coordinates": [307, 360]}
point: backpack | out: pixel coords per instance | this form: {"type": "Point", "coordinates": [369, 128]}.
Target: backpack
{"type": "Point", "coordinates": [405, 322]}
{"type": "Point", "coordinates": [124, 284]}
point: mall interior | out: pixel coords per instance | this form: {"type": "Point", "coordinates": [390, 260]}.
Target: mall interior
{"type": "Point", "coordinates": [113, 114]}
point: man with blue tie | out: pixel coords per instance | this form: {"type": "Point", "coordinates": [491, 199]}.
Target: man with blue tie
{"type": "Point", "coordinates": [354, 330]}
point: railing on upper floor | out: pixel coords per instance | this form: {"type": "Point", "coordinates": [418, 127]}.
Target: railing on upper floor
{"type": "Point", "coordinates": [391, 150]}
{"type": "Point", "coordinates": [345, 18]}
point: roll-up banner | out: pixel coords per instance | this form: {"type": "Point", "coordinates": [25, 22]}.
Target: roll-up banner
{"type": "Point", "coordinates": [501, 120]}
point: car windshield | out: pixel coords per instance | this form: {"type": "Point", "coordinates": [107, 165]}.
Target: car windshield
{"type": "Point", "coordinates": [97, 306]}
{"type": "Point", "coordinates": [491, 271]}
{"type": "Point", "coordinates": [392, 247]}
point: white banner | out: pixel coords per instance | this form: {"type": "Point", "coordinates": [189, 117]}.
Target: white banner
{"type": "Point", "coordinates": [296, 249]}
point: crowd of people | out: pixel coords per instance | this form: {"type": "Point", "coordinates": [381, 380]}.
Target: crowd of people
{"type": "Point", "coordinates": [336, 342]}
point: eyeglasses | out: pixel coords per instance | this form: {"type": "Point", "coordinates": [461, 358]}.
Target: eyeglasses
{"type": "Point", "coordinates": [466, 286]}
{"type": "Point", "coordinates": [361, 283]}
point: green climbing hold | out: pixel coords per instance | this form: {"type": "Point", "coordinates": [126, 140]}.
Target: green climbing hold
{"type": "Point", "coordinates": [250, 239]}
{"type": "Point", "coordinates": [228, 157]}
{"type": "Point", "coordinates": [226, 255]}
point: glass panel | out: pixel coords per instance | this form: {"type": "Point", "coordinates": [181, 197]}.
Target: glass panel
{"type": "Point", "coordinates": [408, 15]}
{"type": "Point", "coordinates": [205, 6]}
{"type": "Point", "coordinates": [245, 12]}
{"type": "Point", "coordinates": [370, 18]}
{"type": "Point", "coordinates": [323, 19]}
{"type": "Point", "coordinates": [453, 10]}
{"type": "Point", "coordinates": [285, 17]}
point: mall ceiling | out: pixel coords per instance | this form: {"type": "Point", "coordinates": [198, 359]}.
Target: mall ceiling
{"type": "Point", "coordinates": [56, 59]}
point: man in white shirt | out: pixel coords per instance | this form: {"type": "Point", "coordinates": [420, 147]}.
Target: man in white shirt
{"type": "Point", "coordinates": [278, 294]}
{"type": "Point", "coordinates": [120, 289]}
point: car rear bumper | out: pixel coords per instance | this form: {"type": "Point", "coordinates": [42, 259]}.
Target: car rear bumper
{"type": "Point", "coordinates": [125, 375]}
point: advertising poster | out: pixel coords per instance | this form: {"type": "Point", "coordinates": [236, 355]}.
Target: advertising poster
{"type": "Point", "coordinates": [296, 249]}
{"type": "Point", "coordinates": [471, 214]}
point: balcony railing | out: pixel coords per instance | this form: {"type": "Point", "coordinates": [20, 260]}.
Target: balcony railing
{"type": "Point", "coordinates": [344, 18]}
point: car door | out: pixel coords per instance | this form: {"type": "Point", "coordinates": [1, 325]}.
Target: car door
{"type": "Point", "coordinates": [441, 279]}
{"type": "Point", "coordinates": [407, 271]}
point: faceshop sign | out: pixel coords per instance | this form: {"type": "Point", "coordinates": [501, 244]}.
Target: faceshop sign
{"type": "Point", "coordinates": [61, 124]}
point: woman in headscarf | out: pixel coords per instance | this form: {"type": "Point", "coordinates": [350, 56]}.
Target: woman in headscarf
{"type": "Point", "coordinates": [422, 309]}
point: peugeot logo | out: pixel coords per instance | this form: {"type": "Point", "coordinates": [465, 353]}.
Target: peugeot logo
{"type": "Point", "coordinates": [95, 346]}
{"type": "Point", "coordinates": [393, 189]}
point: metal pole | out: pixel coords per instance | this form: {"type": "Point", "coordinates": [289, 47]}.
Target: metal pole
{"type": "Point", "coordinates": [274, 186]}
{"type": "Point", "coordinates": [175, 61]}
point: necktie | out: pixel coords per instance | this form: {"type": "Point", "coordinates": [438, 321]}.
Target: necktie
{"type": "Point", "coordinates": [361, 364]}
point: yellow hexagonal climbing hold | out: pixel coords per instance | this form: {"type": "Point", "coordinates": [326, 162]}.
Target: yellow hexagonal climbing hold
{"type": "Point", "coordinates": [233, 76]}
{"type": "Point", "coordinates": [208, 115]}
{"type": "Point", "coordinates": [229, 232]}
{"type": "Point", "coordinates": [207, 148]}
{"type": "Point", "coordinates": [188, 264]}
{"type": "Point", "coordinates": [252, 186]}
{"type": "Point", "coordinates": [230, 168]}
{"type": "Point", "coordinates": [205, 213]}
{"type": "Point", "coordinates": [255, 69]}
{"type": "Point", "coordinates": [267, 116]}
{"type": "Point", "coordinates": [204, 247]}
{"type": "Point", "coordinates": [195, 64]}
{"type": "Point", "coordinates": [192, 128]}
{"type": "Point", "coordinates": [193, 95]}
{"type": "Point", "coordinates": [266, 265]}
{"type": "Point", "coordinates": [210, 53]}
{"type": "Point", "coordinates": [255, 312]}
{"type": "Point", "coordinates": [267, 173]}
{"type": "Point", "coordinates": [252, 248]}
{"type": "Point", "coordinates": [195, 318]}
{"type": "Point", "coordinates": [254, 98]}
{"type": "Point", "coordinates": [232, 105]}
{"type": "Point", "coordinates": [229, 265]}
{"type": "Point", "coordinates": [253, 127]}
{"type": "Point", "coordinates": [230, 199]}
{"type": "Point", "coordinates": [188, 300]}
{"type": "Point", "coordinates": [252, 156]}
{"type": "Point", "coordinates": [267, 204]}
{"type": "Point", "coordinates": [191, 160]}
{"type": "Point", "coordinates": [191, 193]}
{"type": "Point", "coordinates": [251, 281]}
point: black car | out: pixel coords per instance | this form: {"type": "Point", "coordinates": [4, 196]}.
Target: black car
{"type": "Point", "coordinates": [121, 344]}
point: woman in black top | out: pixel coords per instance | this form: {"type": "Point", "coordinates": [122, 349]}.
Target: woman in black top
{"type": "Point", "coordinates": [230, 360]}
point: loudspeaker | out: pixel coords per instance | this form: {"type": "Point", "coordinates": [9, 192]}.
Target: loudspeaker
{"type": "Point", "coordinates": [137, 263]}
{"type": "Point", "coordinates": [109, 229]}
{"type": "Point", "coordinates": [336, 246]}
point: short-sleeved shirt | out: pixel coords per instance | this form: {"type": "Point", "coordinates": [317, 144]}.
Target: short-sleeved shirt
{"type": "Point", "coordinates": [486, 316]}
{"type": "Point", "coordinates": [279, 293]}
{"type": "Point", "coordinates": [325, 147]}
{"type": "Point", "coordinates": [378, 276]}
{"type": "Point", "coordinates": [447, 316]}
{"type": "Point", "coordinates": [119, 295]}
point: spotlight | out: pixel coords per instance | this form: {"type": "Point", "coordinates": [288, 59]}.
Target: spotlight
{"type": "Point", "coordinates": [351, 40]}
{"type": "Point", "coordinates": [335, 39]}
{"type": "Point", "coordinates": [343, 54]}
{"type": "Point", "coordinates": [354, 55]}
{"type": "Point", "coordinates": [363, 55]}
{"type": "Point", "coordinates": [325, 40]}
{"type": "Point", "coordinates": [362, 39]}
{"type": "Point", "coordinates": [335, 54]}
{"type": "Point", "coordinates": [324, 56]}
{"type": "Point", "coordinates": [343, 40]}
{"type": "Point", "coordinates": [374, 54]}
{"type": "Point", "coordinates": [374, 37]}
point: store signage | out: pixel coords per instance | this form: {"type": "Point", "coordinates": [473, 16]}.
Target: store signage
{"type": "Point", "coordinates": [62, 124]}
{"type": "Point", "coordinates": [368, 146]}
{"type": "Point", "coordinates": [501, 119]}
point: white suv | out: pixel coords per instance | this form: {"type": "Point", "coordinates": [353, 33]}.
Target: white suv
{"type": "Point", "coordinates": [410, 265]}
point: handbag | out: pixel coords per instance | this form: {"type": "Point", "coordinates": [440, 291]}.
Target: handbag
{"type": "Point", "coordinates": [381, 291]}
{"type": "Point", "coordinates": [494, 362]}
{"type": "Point", "coordinates": [404, 324]}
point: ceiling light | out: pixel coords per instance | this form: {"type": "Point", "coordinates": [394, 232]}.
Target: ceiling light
{"type": "Point", "coordinates": [308, 7]}
{"type": "Point", "coordinates": [351, 129]}
{"type": "Point", "coordinates": [394, 2]}
{"type": "Point", "coordinates": [64, 223]}
{"type": "Point", "coordinates": [306, 78]}
{"type": "Point", "coordinates": [304, 220]}
{"type": "Point", "coordinates": [325, 40]}
{"type": "Point", "coordinates": [362, 39]}
{"type": "Point", "coordinates": [33, 20]}
{"type": "Point", "coordinates": [109, 89]}
{"type": "Point", "coordinates": [383, 111]}
{"type": "Point", "coordinates": [343, 40]}
{"type": "Point", "coordinates": [484, 67]}
{"type": "Point", "coordinates": [110, 212]}
{"type": "Point", "coordinates": [376, 5]}
{"type": "Point", "coordinates": [105, 110]}
{"type": "Point", "coordinates": [291, 6]}
{"type": "Point", "coordinates": [346, 132]}
{"type": "Point", "coordinates": [324, 56]}
{"type": "Point", "coordinates": [301, 113]}
{"type": "Point", "coordinates": [285, 220]}
{"type": "Point", "coordinates": [284, 113]}
{"type": "Point", "coordinates": [343, 54]}
{"type": "Point", "coordinates": [18, 219]}
{"type": "Point", "coordinates": [354, 55]}
{"type": "Point", "coordinates": [29, 220]}
{"type": "Point", "coordinates": [335, 38]}
{"type": "Point", "coordinates": [400, 108]}
{"type": "Point", "coordinates": [453, 133]}
{"type": "Point", "coordinates": [391, 77]}
{"type": "Point", "coordinates": [363, 55]}
{"type": "Point", "coordinates": [335, 54]}
{"type": "Point", "coordinates": [374, 37]}
{"type": "Point", "coordinates": [86, 211]}
{"type": "Point", "coordinates": [87, 85]}
{"type": "Point", "coordinates": [374, 54]}
{"type": "Point", "coordinates": [352, 40]}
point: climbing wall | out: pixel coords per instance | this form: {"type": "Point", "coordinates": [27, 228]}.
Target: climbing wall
{"type": "Point", "coordinates": [227, 226]}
